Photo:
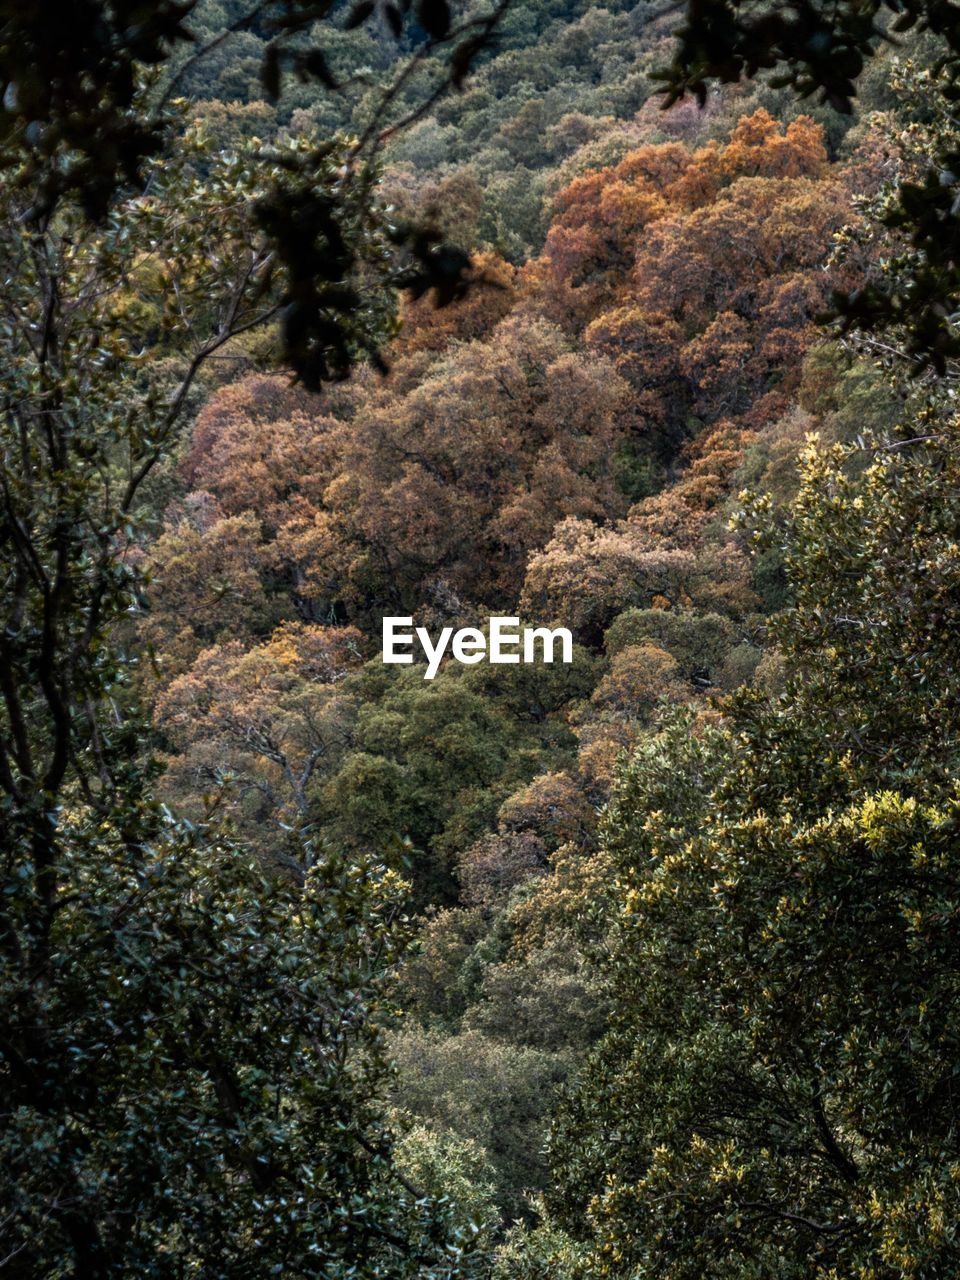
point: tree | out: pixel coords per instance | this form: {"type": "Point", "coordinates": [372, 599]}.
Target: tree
{"type": "Point", "coordinates": [699, 272]}
{"type": "Point", "coordinates": [415, 506]}
{"type": "Point", "coordinates": [266, 722]}
{"type": "Point", "coordinates": [206, 583]}
{"type": "Point", "coordinates": [825, 48]}
{"type": "Point", "coordinates": [430, 762]}
{"type": "Point", "coordinates": [205, 1071]}
{"type": "Point", "coordinates": [698, 642]}
{"type": "Point", "coordinates": [587, 574]}
{"type": "Point", "coordinates": [496, 863]}
{"type": "Point", "coordinates": [425, 327]}
{"type": "Point", "coordinates": [190, 1053]}
{"type": "Point", "coordinates": [477, 1087]}
{"type": "Point", "coordinates": [259, 442]}
{"type": "Point", "coordinates": [82, 117]}
{"type": "Point", "coordinates": [601, 219]}
{"type": "Point", "coordinates": [775, 1094]}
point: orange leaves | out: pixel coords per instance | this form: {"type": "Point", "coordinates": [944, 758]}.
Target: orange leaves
{"type": "Point", "coordinates": [588, 574]}
{"type": "Point", "coordinates": [698, 273]}
{"type": "Point", "coordinates": [460, 475]}
{"type": "Point", "coordinates": [267, 717]}
{"type": "Point", "coordinates": [230, 688]}
{"type": "Point", "coordinates": [451, 471]}
{"type": "Point", "coordinates": [759, 146]}
{"type": "Point", "coordinates": [720, 255]}
{"type": "Point", "coordinates": [643, 345]}
{"type": "Point", "coordinates": [554, 806]}
{"type": "Point", "coordinates": [719, 364]}
{"type": "Point", "coordinates": [611, 208]}
{"type": "Point", "coordinates": [491, 297]}
{"type": "Point", "coordinates": [641, 678]}
{"type": "Point", "coordinates": [206, 571]}
{"type": "Point", "coordinates": [484, 471]}
{"type": "Point", "coordinates": [259, 440]}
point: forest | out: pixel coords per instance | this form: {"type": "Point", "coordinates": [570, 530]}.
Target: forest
{"type": "Point", "coordinates": [632, 318]}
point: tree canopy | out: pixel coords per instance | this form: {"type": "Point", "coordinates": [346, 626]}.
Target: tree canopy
{"type": "Point", "coordinates": [636, 965]}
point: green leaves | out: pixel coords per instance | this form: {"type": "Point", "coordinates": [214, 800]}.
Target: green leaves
{"type": "Point", "coordinates": [822, 48]}
{"type": "Point", "coordinates": [72, 108]}
{"type": "Point", "coordinates": [773, 1098]}
{"type": "Point", "coordinates": [205, 1052]}
{"type": "Point", "coordinates": [191, 1054]}
{"type": "Point", "coordinates": [77, 73]}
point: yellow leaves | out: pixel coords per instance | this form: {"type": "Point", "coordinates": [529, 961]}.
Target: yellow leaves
{"type": "Point", "coordinates": [649, 895]}
{"type": "Point", "coordinates": [914, 918]}
{"type": "Point", "coordinates": [810, 452]}
{"type": "Point", "coordinates": [881, 812]}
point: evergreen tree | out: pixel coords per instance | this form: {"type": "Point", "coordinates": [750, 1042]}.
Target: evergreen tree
{"type": "Point", "coordinates": [776, 1095]}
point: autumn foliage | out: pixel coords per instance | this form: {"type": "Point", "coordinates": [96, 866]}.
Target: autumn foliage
{"type": "Point", "coordinates": [561, 443]}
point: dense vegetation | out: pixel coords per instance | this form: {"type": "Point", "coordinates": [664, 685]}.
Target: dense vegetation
{"type": "Point", "coordinates": [641, 965]}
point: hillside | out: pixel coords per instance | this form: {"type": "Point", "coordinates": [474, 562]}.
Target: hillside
{"type": "Point", "coordinates": [637, 962]}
